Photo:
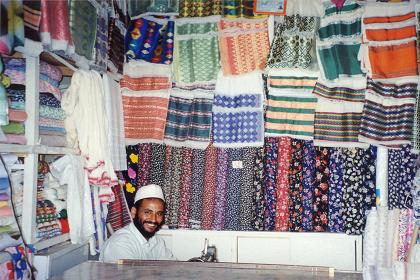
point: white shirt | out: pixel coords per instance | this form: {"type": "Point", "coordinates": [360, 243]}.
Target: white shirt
{"type": "Point", "coordinates": [129, 243]}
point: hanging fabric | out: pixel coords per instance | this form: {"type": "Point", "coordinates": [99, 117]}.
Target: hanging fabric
{"type": "Point", "coordinates": [197, 183]}
{"type": "Point", "coordinates": [199, 8]}
{"type": "Point", "coordinates": [271, 149]}
{"type": "Point", "coordinates": [258, 185]}
{"type": "Point", "coordinates": [186, 182]}
{"type": "Point", "coordinates": [221, 188]}
{"type": "Point", "coordinates": [209, 188]}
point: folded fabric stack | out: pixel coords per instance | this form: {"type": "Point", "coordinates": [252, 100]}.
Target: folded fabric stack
{"type": "Point", "coordinates": [46, 212]}
{"type": "Point", "coordinates": [51, 116]}
{"type": "Point", "coordinates": [7, 219]}
{"type": "Point", "coordinates": [16, 177]}
{"type": "Point", "coordinates": [389, 57]}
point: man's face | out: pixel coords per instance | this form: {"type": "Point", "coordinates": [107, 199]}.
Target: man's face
{"type": "Point", "coordinates": [150, 215]}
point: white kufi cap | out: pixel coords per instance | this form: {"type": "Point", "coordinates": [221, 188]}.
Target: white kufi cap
{"type": "Point", "coordinates": [149, 191]}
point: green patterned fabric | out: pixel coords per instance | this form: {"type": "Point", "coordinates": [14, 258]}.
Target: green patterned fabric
{"type": "Point", "coordinates": [196, 58]}
{"type": "Point", "coordinates": [293, 43]}
{"type": "Point", "coordinates": [83, 27]}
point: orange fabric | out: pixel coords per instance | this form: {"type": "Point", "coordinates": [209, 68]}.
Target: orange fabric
{"type": "Point", "coordinates": [393, 61]}
{"type": "Point", "coordinates": [391, 34]}
{"type": "Point", "coordinates": [388, 19]}
{"type": "Point", "coordinates": [244, 45]}
{"type": "Point", "coordinates": [144, 83]}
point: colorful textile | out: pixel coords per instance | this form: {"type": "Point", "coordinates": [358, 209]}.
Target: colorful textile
{"type": "Point", "coordinates": [415, 142]}
{"type": "Point", "coordinates": [387, 121]}
{"type": "Point", "coordinates": [54, 28]}
{"type": "Point", "coordinates": [116, 32]}
{"type": "Point", "coordinates": [221, 187]}
{"type": "Point", "coordinates": [145, 151]}
{"type": "Point", "coordinates": [157, 164]}
{"type": "Point", "coordinates": [209, 190]}
{"type": "Point", "coordinates": [238, 9]}
{"type": "Point", "coordinates": [338, 41]}
{"type": "Point", "coordinates": [291, 83]}
{"type": "Point", "coordinates": [290, 116]}
{"type": "Point", "coordinates": [186, 182]}
{"type": "Point", "coordinates": [189, 117]}
{"type": "Point", "coordinates": [233, 191]}
{"type": "Point", "coordinates": [199, 8]}
{"type": "Point", "coordinates": [244, 45]}
{"type": "Point", "coordinates": [352, 90]}
{"type": "Point", "coordinates": [258, 205]}
{"type": "Point", "coordinates": [358, 187]}
{"type": "Point", "coordinates": [150, 39]}
{"type": "Point", "coordinates": [136, 8]}
{"type": "Point", "coordinates": [196, 58]}
{"type": "Point", "coordinates": [197, 183]}
{"type": "Point", "coordinates": [173, 198]}
{"type": "Point", "coordinates": [118, 214]}
{"type": "Point", "coordinates": [247, 190]}
{"type": "Point", "coordinates": [335, 196]}
{"type": "Point", "coordinates": [32, 19]}
{"type": "Point", "coordinates": [401, 173]}
{"type": "Point", "coordinates": [13, 128]}
{"type": "Point", "coordinates": [293, 43]}
{"type": "Point", "coordinates": [296, 185]}
{"type": "Point", "coordinates": [131, 175]}
{"type": "Point", "coordinates": [337, 123]}
{"type": "Point", "coordinates": [271, 149]}
{"type": "Point", "coordinates": [308, 182]}
{"type": "Point", "coordinates": [12, 26]}
{"type": "Point", "coordinates": [405, 234]}
{"type": "Point", "coordinates": [101, 40]}
{"type": "Point", "coordinates": [321, 190]}
{"type": "Point", "coordinates": [47, 71]}
{"type": "Point", "coordinates": [83, 18]}
{"type": "Point", "coordinates": [145, 97]}
{"type": "Point", "coordinates": [282, 184]}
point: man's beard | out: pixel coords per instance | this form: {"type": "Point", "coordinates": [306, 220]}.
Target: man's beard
{"type": "Point", "coordinates": [140, 227]}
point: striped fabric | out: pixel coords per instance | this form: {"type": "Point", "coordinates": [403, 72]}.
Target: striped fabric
{"type": "Point", "coordinates": [32, 19]}
{"type": "Point", "coordinates": [385, 124]}
{"type": "Point", "coordinates": [188, 121]}
{"type": "Point", "coordinates": [338, 41]}
{"type": "Point", "coordinates": [337, 123]}
{"type": "Point", "coordinates": [145, 97]}
{"type": "Point", "coordinates": [352, 90]}
{"type": "Point", "coordinates": [291, 83]}
{"type": "Point", "coordinates": [291, 116]}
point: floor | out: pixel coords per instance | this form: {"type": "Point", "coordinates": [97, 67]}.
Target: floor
{"type": "Point", "coordinates": [188, 270]}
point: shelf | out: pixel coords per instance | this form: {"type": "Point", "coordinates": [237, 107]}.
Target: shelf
{"type": "Point", "coordinates": [51, 241]}
{"type": "Point", "coordinates": [38, 149]}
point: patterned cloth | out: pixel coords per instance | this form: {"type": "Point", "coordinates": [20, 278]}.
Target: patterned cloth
{"type": "Point", "coordinates": [233, 191]}
{"type": "Point", "coordinates": [82, 18]}
{"type": "Point", "coordinates": [415, 142]}
{"type": "Point", "coordinates": [352, 90]}
{"type": "Point", "coordinates": [32, 19]}
{"type": "Point", "coordinates": [197, 186]}
{"type": "Point", "coordinates": [282, 183]}
{"type": "Point", "coordinates": [238, 111]}
{"type": "Point", "coordinates": [131, 175]}
{"type": "Point", "coordinates": [247, 189]}
{"type": "Point", "coordinates": [118, 214]}
{"type": "Point", "coordinates": [173, 198]}
{"type": "Point", "coordinates": [196, 58]}
{"type": "Point", "coordinates": [308, 182]}
{"type": "Point", "coordinates": [296, 185]}
{"type": "Point", "coordinates": [321, 190]}
{"type": "Point", "coordinates": [199, 8]}
{"type": "Point", "coordinates": [145, 97]}
{"type": "Point", "coordinates": [189, 117]}
{"type": "Point", "coordinates": [208, 196]}
{"type": "Point", "coordinates": [238, 9]}
{"type": "Point", "coordinates": [271, 148]}
{"type": "Point", "coordinates": [338, 41]}
{"type": "Point", "coordinates": [293, 43]}
{"type": "Point", "coordinates": [401, 173]}
{"type": "Point", "coordinates": [388, 113]}
{"type": "Point", "coordinates": [116, 45]}
{"type": "Point", "coordinates": [337, 123]}
{"type": "Point", "coordinates": [358, 187]}
{"type": "Point", "coordinates": [136, 8]}
{"type": "Point", "coordinates": [185, 187]}
{"type": "Point", "coordinates": [150, 39]}
{"type": "Point", "coordinates": [290, 116]}
{"type": "Point", "coordinates": [54, 28]}
{"type": "Point", "coordinates": [221, 187]}
{"type": "Point", "coordinates": [244, 45]}
{"type": "Point", "coordinates": [405, 233]}
{"type": "Point", "coordinates": [258, 205]}
{"type": "Point", "coordinates": [157, 164]}
{"type": "Point", "coordinates": [335, 199]}
{"type": "Point", "coordinates": [101, 42]}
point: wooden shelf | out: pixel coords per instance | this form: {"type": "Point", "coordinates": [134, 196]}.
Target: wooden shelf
{"type": "Point", "coordinates": [51, 241]}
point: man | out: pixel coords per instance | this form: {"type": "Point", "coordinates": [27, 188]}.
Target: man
{"type": "Point", "coordinates": [137, 240]}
